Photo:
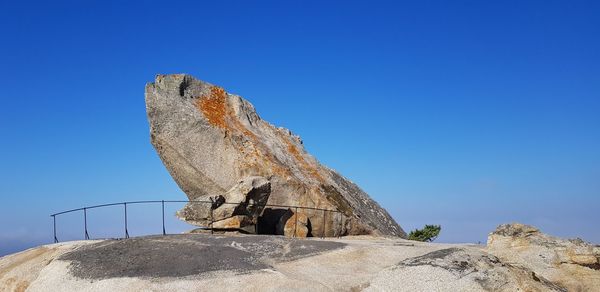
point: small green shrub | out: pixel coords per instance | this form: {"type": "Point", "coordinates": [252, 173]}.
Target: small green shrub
{"type": "Point", "coordinates": [429, 233]}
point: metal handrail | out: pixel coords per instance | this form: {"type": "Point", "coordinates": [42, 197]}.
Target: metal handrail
{"type": "Point", "coordinates": [84, 209]}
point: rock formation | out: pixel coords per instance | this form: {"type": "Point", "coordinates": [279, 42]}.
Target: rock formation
{"type": "Point", "coordinates": [459, 269]}
{"type": "Point", "coordinates": [239, 208]}
{"type": "Point", "coordinates": [569, 263]}
{"type": "Point", "coordinates": [210, 140]}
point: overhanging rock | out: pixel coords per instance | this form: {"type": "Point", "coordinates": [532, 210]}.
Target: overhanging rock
{"type": "Point", "coordinates": [210, 140]}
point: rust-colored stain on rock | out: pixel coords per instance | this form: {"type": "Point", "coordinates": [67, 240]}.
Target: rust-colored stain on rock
{"type": "Point", "coordinates": [214, 107]}
{"type": "Point", "coordinates": [301, 161]}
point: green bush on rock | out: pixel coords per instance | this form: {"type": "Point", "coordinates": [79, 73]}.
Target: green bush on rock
{"type": "Point", "coordinates": [429, 233]}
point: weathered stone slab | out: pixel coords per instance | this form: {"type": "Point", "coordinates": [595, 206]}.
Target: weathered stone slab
{"type": "Point", "coordinates": [235, 222]}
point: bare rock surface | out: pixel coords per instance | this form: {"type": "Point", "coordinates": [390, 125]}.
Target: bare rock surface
{"type": "Point", "coordinates": [19, 270]}
{"type": "Point", "coordinates": [187, 255]}
{"type": "Point", "coordinates": [210, 140]}
{"type": "Point", "coordinates": [459, 269]}
{"type": "Point", "coordinates": [204, 262]}
{"type": "Point", "coordinates": [570, 263]}
{"type": "Point", "coordinates": [237, 208]}
{"type": "Point", "coordinates": [295, 225]}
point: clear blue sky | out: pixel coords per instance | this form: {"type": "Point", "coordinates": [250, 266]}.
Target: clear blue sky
{"type": "Point", "coordinates": [467, 114]}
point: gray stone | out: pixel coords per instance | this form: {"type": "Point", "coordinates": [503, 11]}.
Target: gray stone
{"type": "Point", "coordinates": [187, 255]}
{"type": "Point", "coordinates": [463, 269]}
{"type": "Point", "coordinates": [570, 263]}
{"type": "Point", "coordinates": [239, 207]}
{"type": "Point", "coordinates": [209, 140]}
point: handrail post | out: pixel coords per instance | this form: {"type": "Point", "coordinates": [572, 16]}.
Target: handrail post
{"type": "Point", "coordinates": [255, 218]}
{"type": "Point", "coordinates": [341, 225]}
{"type": "Point", "coordinates": [323, 231]}
{"type": "Point", "coordinates": [163, 217]}
{"type": "Point", "coordinates": [54, 221]}
{"type": "Point", "coordinates": [256, 224]}
{"type": "Point", "coordinates": [212, 220]}
{"type": "Point", "coordinates": [296, 222]}
{"type": "Point", "coordinates": [87, 236]}
{"type": "Point", "coordinates": [126, 231]}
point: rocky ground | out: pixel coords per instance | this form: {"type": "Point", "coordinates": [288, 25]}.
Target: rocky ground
{"type": "Point", "coordinates": [517, 258]}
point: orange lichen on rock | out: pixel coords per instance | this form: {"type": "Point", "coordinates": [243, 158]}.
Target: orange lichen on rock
{"type": "Point", "coordinates": [294, 151]}
{"type": "Point", "coordinates": [214, 107]}
{"type": "Point", "coordinates": [302, 162]}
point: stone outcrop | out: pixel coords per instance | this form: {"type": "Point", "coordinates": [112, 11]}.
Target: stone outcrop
{"type": "Point", "coordinates": [459, 269]}
{"type": "Point", "coordinates": [238, 208]}
{"type": "Point", "coordinates": [569, 263]}
{"type": "Point", "coordinates": [293, 225]}
{"type": "Point", "coordinates": [209, 140]}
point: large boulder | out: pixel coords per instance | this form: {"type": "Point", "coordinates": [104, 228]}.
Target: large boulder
{"type": "Point", "coordinates": [570, 263]}
{"type": "Point", "coordinates": [209, 140]}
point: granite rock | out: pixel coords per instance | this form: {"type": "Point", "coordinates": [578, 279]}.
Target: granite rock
{"type": "Point", "coordinates": [237, 208]}
{"type": "Point", "coordinates": [294, 225]}
{"type": "Point", "coordinates": [209, 140]}
{"type": "Point", "coordinates": [570, 263]}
